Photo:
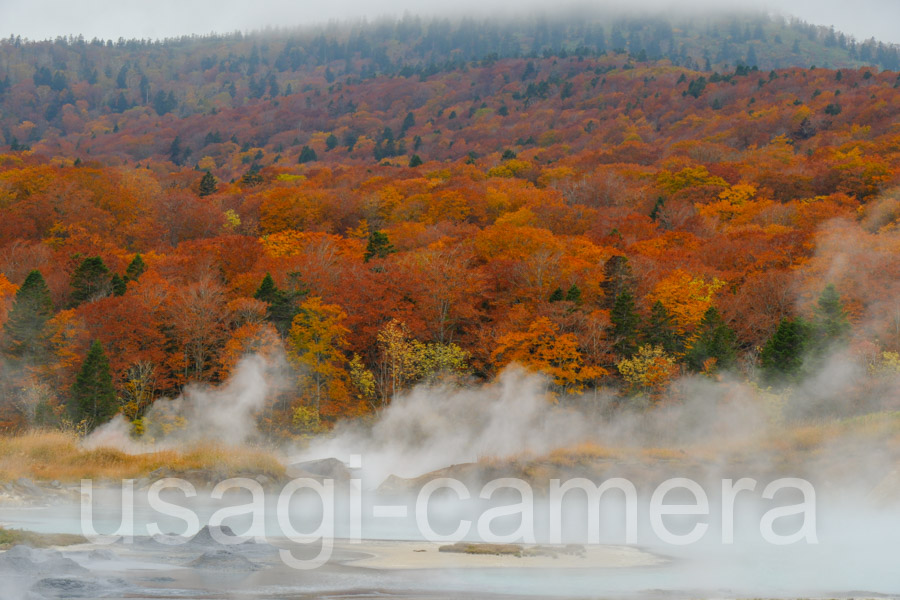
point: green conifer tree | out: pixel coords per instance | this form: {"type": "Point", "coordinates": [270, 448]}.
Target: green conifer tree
{"type": "Point", "coordinates": [714, 340]}
{"type": "Point", "coordinates": [119, 285]}
{"type": "Point", "coordinates": [831, 326]}
{"type": "Point", "coordinates": [90, 281]}
{"type": "Point", "coordinates": [267, 291]}
{"type": "Point", "coordinates": [616, 276]}
{"type": "Point", "coordinates": [93, 397]}
{"type": "Point", "coordinates": [23, 332]}
{"type": "Point", "coordinates": [282, 305]}
{"type": "Point", "coordinates": [379, 246]}
{"type": "Point", "coordinates": [307, 154]}
{"type": "Point", "coordinates": [659, 330]}
{"type": "Point", "coordinates": [782, 356]}
{"type": "Point", "coordinates": [625, 322]}
{"type": "Point", "coordinates": [408, 122]}
{"type": "Point", "coordinates": [207, 184]}
{"type": "Point", "coordinates": [135, 268]}
{"type": "Point", "coordinates": [658, 206]}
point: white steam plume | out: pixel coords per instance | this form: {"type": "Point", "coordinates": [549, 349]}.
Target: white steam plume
{"type": "Point", "coordinates": [432, 427]}
{"type": "Point", "coordinates": [224, 414]}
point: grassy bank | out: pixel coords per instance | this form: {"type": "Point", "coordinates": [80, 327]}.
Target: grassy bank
{"type": "Point", "coordinates": [792, 444]}
{"type": "Point", "coordinates": [11, 537]}
{"type": "Point", "coordinates": [52, 455]}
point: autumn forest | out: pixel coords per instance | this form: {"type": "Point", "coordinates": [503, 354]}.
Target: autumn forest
{"type": "Point", "coordinates": [617, 203]}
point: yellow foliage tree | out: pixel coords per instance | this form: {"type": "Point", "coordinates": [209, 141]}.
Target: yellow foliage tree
{"type": "Point", "coordinates": [888, 364]}
{"type": "Point", "coordinates": [137, 391]}
{"type": "Point", "coordinates": [685, 297]}
{"type": "Point", "coordinates": [405, 361]}
{"type": "Point", "coordinates": [510, 168]}
{"type": "Point", "coordinates": [363, 381]}
{"type": "Point", "coordinates": [736, 205]}
{"type": "Point", "coordinates": [396, 359]}
{"type": "Point", "coordinates": [650, 370]}
{"type": "Point", "coordinates": [688, 177]}
{"type": "Point", "coordinates": [316, 343]}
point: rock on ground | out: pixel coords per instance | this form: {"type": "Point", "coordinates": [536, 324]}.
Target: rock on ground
{"type": "Point", "coordinates": [223, 560]}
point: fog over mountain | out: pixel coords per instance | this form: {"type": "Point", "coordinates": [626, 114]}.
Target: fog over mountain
{"type": "Point", "coordinates": [109, 19]}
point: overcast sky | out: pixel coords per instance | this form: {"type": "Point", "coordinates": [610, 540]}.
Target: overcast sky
{"type": "Point", "coordinates": [111, 19]}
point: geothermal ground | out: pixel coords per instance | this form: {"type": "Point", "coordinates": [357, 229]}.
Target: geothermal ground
{"type": "Point", "coordinates": [854, 555]}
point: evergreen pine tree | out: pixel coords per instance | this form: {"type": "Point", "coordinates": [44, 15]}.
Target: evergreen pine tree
{"type": "Point", "coordinates": [782, 356]}
{"type": "Point", "coordinates": [135, 268]}
{"type": "Point", "coordinates": [830, 324]}
{"type": "Point", "coordinates": [93, 397]}
{"type": "Point", "coordinates": [660, 330]}
{"type": "Point", "coordinates": [118, 285]}
{"type": "Point", "coordinates": [307, 154]}
{"type": "Point", "coordinates": [408, 122]}
{"type": "Point", "coordinates": [714, 340]}
{"type": "Point", "coordinates": [252, 176]}
{"type": "Point", "coordinates": [379, 246]}
{"type": "Point", "coordinates": [282, 305]}
{"type": "Point", "coordinates": [90, 280]}
{"type": "Point", "coordinates": [267, 290]}
{"type": "Point", "coordinates": [658, 206]}
{"type": "Point", "coordinates": [625, 321]}
{"type": "Point", "coordinates": [207, 184]}
{"type": "Point", "coordinates": [176, 151]}
{"type": "Point", "coordinates": [556, 295]}
{"type": "Point", "coordinates": [415, 161]}
{"type": "Point", "coordinates": [616, 276]}
{"type": "Point", "coordinates": [573, 294]}
{"type": "Point", "coordinates": [33, 307]}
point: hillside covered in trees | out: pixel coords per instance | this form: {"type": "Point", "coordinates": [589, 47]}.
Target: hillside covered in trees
{"type": "Point", "coordinates": [613, 203]}
{"type": "Point", "coordinates": [185, 98]}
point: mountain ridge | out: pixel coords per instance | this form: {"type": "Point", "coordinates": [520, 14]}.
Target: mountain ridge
{"type": "Point", "coordinates": [64, 86]}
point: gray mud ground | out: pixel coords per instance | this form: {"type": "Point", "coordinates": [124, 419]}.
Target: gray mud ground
{"type": "Point", "coordinates": [199, 569]}
{"type": "Point", "coordinates": [202, 569]}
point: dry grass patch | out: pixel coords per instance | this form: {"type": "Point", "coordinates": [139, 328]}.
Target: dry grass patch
{"type": "Point", "coordinates": [808, 438]}
{"type": "Point", "coordinates": [793, 443]}
{"type": "Point", "coordinates": [11, 537]}
{"type": "Point", "coordinates": [584, 453]}
{"type": "Point", "coordinates": [664, 453]}
{"type": "Point", "coordinates": [52, 455]}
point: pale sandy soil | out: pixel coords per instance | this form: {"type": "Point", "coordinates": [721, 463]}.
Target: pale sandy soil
{"type": "Point", "coordinates": [424, 555]}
